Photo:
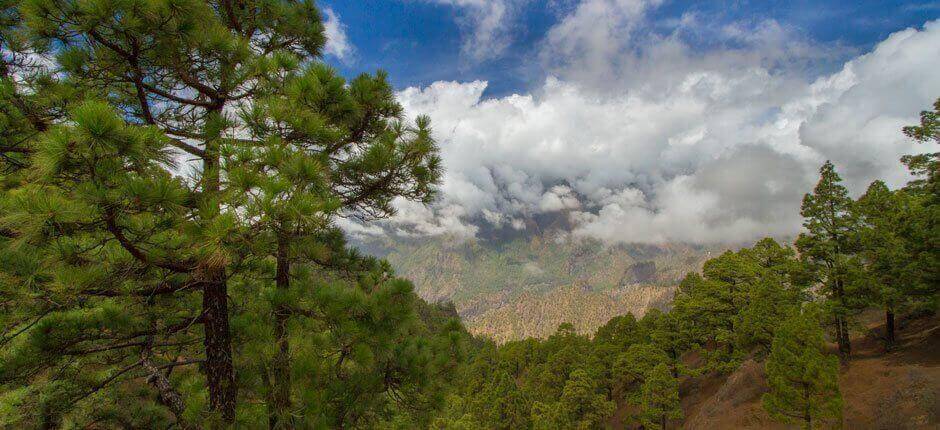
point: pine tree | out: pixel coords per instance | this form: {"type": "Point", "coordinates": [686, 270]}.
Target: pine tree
{"type": "Point", "coordinates": [926, 166]}
{"type": "Point", "coordinates": [315, 155]}
{"type": "Point", "coordinates": [777, 290]}
{"type": "Point", "coordinates": [620, 332]}
{"type": "Point", "coordinates": [585, 408]}
{"type": "Point", "coordinates": [708, 306]}
{"type": "Point", "coordinates": [581, 406]}
{"type": "Point", "coordinates": [668, 334]}
{"type": "Point", "coordinates": [501, 404]}
{"type": "Point", "coordinates": [631, 367]}
{"type": "Point", "coordinates": [613, 339]}
{"type": "Point", "coordinates": [829, 246]}
{"type": "Point", "coordinates": [660, 398]}
{"type": "Point", "coordinates": [179, 69]}
{"type": "Point", "coordinates": [733, 277]}
{"type": "Point", "coordinates": [925, 236]}
{"type": "Point", "coordinates": [803, 379]}
{"type": "Point", "coordinates": [889, 257]}
{"type": "Point", "coordinates": [130, 266]}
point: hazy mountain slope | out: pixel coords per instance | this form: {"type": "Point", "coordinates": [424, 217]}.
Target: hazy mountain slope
{"type": "Point", "coordinates": [527, 286]}
{"type": "Point", "coordinates": [537, 315]}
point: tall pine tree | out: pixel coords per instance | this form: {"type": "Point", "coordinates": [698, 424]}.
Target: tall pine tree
{"type": "Point", "coordinates": [829, 246]}
{"type": "Point", "coordinates": [206, 164]}
{"type": "Point", "coordinates": [803, 379]}
{"type": "Point", "coordinates": [888, 253]}
{"type": "Point", "coordinates": [926, 168]}
{"type": "Point", "coordinates": [660, 398]}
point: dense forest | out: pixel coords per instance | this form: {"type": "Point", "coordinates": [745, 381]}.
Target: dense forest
{"type": "Point", "coordinates": [172, 174]}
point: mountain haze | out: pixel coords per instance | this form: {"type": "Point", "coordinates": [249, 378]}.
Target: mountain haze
{"type": "Point", "coordinates": [525, 286]}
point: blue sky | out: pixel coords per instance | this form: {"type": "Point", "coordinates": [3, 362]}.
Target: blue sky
{"type": "Point", "coordinates": [419, 41]}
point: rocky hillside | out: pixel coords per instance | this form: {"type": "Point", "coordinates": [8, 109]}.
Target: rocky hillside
{"type": "Point", "coordinates": [527, 286]}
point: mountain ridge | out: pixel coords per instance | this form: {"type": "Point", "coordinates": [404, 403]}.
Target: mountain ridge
{"type": "Point", "coordinates": [527, 285]}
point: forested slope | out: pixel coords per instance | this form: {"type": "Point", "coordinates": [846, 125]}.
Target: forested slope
{"type": "Point", "coordinates": [897, 389]}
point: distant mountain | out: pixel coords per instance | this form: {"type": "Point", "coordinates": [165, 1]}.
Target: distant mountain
{"type": "Point", "coordinates": [514, 287]}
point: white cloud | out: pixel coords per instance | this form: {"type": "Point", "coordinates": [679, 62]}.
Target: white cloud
{"type": "Point", "coordinates": [645, 139]}
{"type": "Point", "coordinates": [883, 91]}
{"type": "Point", "coordinates": [558, 198]}
{"type": "Point", "coordinates": [359, 231]}
{"type": "Point", "coordinates": [488, 23]}
{"type": "Point", "coordinates": [337, 43]}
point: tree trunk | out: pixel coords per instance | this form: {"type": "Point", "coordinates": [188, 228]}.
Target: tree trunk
{"type": "Point", "coordinates": [674, 366]}
{"type": "Point", "coordinates": [662, 421]}
{"type": "Point", "coordinates": [220, 374]}
{"type": "Point", "coordinates": [279, 411]}
{"type": "Point", "coordinates": [845, 344]}
{"type": "Point", "coordinates": [807, 416]}
{"type": "Point", "coordinates": [889, 328]}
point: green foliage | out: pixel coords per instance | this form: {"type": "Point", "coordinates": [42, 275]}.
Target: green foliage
{"type": "Point", "coordinates": [926, 166]}
{"type": "Point", "coordinates": [888, 251]}
{"type": "Point", "coordinates": [660, 398]}
{"type": "Point", "coordinates": [736, 302]}
{"type": "Point", "coordinates": [925, 229]}
{"type": "Point", "coordinates": [581, 406]}
{"type": "Point", "coordinates": [803, 379]}
{"type": "Point", "coordinates": [829, 249]}
{"type": "Point", "coordinates": [501, 404]}
{"type": "Point", "coordinates": [133, 295]}
{"type": "Point", "coordinates": [173, 171]}
{"type": "Point", "coordinates": [631, 367]}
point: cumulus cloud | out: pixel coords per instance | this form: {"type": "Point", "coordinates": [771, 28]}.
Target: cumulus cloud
{"type": "Point", "coordinates": [487, 24]}
{"type": "Point", "coordinates": [881, 92]}
{"type": "Point", "coordinates": [337, 43]}
{"type": "Point", "coordinates": [645, 139]}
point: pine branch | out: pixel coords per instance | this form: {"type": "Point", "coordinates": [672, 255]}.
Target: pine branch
{"type": "Point", "coordinates": [7, 339]}
{"type": "Point", "coordinates": [105, 383]}
{"type": "Point", "coordinates": [168, 395]}
{"type": "Point", "coordinates": [160, 290]}
{"type": "Point", "coordinates": [109, 219]}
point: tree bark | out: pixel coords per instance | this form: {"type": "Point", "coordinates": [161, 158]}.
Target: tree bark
{"type": "Point", "coordinates": [889, 328]}
{"type": "Point", "coordinates": [845, 344]}
{"type": "Point", "coordinates": [674, 366]}
{"type": "Point", "coordinates": [279, 412]}
{"type": "Point", "coordinates": [168, 395]}
{"type": "Point", "coordinates": [807, 416]}
{"type": "Point", "coordinates": [220, 373]}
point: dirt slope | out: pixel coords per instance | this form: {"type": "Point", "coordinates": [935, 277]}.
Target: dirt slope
{"type": "Point", "coordinates": [895, 390]}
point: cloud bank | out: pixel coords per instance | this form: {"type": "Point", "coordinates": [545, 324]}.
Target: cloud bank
{"type": "Point", "coordinates": [649, 137]}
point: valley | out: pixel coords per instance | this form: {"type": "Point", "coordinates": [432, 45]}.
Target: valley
{"type": "Point", "coordinates": [522, 287]}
